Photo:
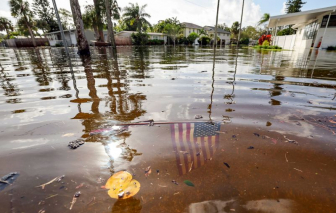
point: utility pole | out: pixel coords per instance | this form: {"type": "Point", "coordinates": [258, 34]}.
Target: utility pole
{"type": "Point", "coordinates": [240, 25]}
{"type": "Point", "coordinates": [61, 29]}
{"type": "Point", "coordinates": [215, 41]}
{"type": "Point", "coordinates": [110, 24]}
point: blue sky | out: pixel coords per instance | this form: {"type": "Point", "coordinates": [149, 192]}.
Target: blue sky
{"type": "Point", "coordinates": [201, 12]}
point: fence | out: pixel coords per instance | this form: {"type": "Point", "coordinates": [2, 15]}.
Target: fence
{"type": "Point", "coordinates": [26, 42]}
{"type": "Point", "coordinates": [122, 41]}
{"type": "Point", "coordinates": [286, 42]}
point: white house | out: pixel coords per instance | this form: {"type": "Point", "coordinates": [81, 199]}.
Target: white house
{"type": "Point", "coordinates": [314, 28]}
{"type": "Point", "coordinates": [223, 35]}
{"type": "Point", "coordinates": [190, 28]}
{"type": "Point", "coordinates": [70, 36]}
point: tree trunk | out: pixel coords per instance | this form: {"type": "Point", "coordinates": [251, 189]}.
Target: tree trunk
{"type": "Point", "coordinates": [109, 23]}
{"type": "Point", "coordinates": [99, 21]}
{"type": "Point", "coordinates": [83, 45]}
{"type": "Point", "coordinates": [95, 29]}
{"type": "Point", "coordinates": [30, 32]}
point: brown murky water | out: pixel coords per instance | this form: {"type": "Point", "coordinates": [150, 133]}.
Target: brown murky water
{"type": "Point", "coordinates": [265, 143]}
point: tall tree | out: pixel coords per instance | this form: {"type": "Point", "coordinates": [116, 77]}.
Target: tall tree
{"type": "Point", "coordinates": [135, 17]}
{"type": "Point", "coordinates": [224, 27]}
{"type": "Point", "coordinates": [66, 18]}
{"type": "Point", "coordinates": [109, 23]}
{"type": "Point", "coordinates": [160, 26]}
{"type": "Point", "coordinates": [98, 4]}
{"type": "Point", "coordinates": [235, 29]}
{"type": "Point", "coordinates": [20, 9]}
{"type": "Point", "coordinates": [173, 30]}
{"type": "Point", "coordinates": [264, 18]}
{"type": "Point", "coordinates": [46, 16]}
{"type": "Point", "coordinates": [294, 6]}
{"type": "Point", "coordinates": [83, 45]}
{"type": "Point", "coordinates": [6, 25]}
{"type": "Point", "coordinates": [90, 19]}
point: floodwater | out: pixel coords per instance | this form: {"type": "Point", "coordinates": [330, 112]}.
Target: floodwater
{"type": "Point", "coordinates": [266, 141]}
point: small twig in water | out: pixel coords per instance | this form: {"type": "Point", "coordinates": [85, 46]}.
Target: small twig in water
{"type": "Point", "coordinates": [51, 196]}
{"type": "Point", "coordinates": [298, 170]}
{"type": "Point", "coordinates": [44, 185]}
{"type": "Point", "coordinates": [191, 166]}
{"type": "Point", "coordinates": [286, 157]}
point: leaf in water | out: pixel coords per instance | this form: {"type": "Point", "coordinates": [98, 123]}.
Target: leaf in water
{"type": "Point", "coordinates": [188, 182]}
{"type": "Point", "coordinates": [122, 186]}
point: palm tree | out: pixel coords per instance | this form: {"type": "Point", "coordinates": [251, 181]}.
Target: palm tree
{"type": "Point", "coordinates": [6, 24]}
{"type": "Point", "coordinates": [83, 45]}
{"type": "Point", "coordinates": [20, 9]}
{"type": "Point", "coordinates": [235, 29]}
{"type": "Point", "coordinates": [135, 16]}
{"type": "Point", "coordinates": [264, 18]}
{"type": "Point", "coordinates": [109, 10]}
{"type": "Point", "coordinates": [173, 30]}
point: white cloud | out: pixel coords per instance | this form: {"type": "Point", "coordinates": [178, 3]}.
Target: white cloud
{"type": "Point", "coordinates": [283, 9]}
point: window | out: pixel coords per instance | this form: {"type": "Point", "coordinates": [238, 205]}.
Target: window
{"type": "Point", "coordinates": [310, 30]}
{"type": "Point", "coordinates": [189, 31]}
{"type": "Point", "coordinates": [332, 21]}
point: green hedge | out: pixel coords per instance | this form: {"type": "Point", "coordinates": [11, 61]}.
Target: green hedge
{"type": "Point", "coordinates": [155, 42]}
{"type": "Point", "coordinates": [268, 47]}
{"type": "Point", "coordinates": [331, 48]}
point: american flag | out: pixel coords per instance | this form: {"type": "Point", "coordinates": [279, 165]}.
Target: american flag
{"type": "Point", "coordinates": [194, 144]}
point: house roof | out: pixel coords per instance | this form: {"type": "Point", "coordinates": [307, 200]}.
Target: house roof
{"type": "Point", "coordinates": [191, 25]}
{"type": "Point", "coordinates": [219, 30]}
{"type": "Point", "coordinates": [299, 17]}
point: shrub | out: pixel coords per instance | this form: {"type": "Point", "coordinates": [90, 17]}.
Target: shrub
{"type": "Point", "coordinates": [205, 40]}
{"type": "Point", "coordinates": [191, 37]}
{"type": "Point", "coordinates": [155, 42]}
{"type": "Point", "coordinates": [265, 38]}
{"type": "Point", "coordinates": [266, 43]}
{"type": "Point", "coordinates": [244, 41]}
{"type": "Point", "coordinates": [139, 38]}
{"type": "Point", "coordinates": [331, 48]}
{"type": "Point", "coordinates": [60, 44]}
{"type": "Point", "coordinates": [183, 40]}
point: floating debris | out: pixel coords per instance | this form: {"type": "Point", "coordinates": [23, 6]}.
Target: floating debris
{"type": "Point", "coordinates": [227, 165]}
{"type": "Point", "coordinates": [8, 180]}
{"type": "Point", "coordinates": [174, 181]}
{"type": "Point", "coordinates": [256, 134]}
{"type": "Point", "coordinates": [121, 185]}
{"type": "Point", "coordinates": [189, 183]}
{"type": "Point", "coordinates": [74, 199]}
{"type": "Point", "coordinates": [198, 116]}
{"type": "Point", "coordinates": [76, 143]}
{"type": "Point", "coordinates": [148, 171]}
{"type": "Point", "coordinates": [53, 180]}
{"type": "Point", "coordinates": [290, 141]}
{"type": "Point", "coordinates": [250, 147]}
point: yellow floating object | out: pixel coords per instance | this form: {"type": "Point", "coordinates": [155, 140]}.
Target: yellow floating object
{"type": "Point", "coordinates": [121, 185]}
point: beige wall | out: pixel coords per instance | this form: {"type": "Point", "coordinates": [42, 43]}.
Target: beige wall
{"type": "Point", "coordinates": [187, 31]}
